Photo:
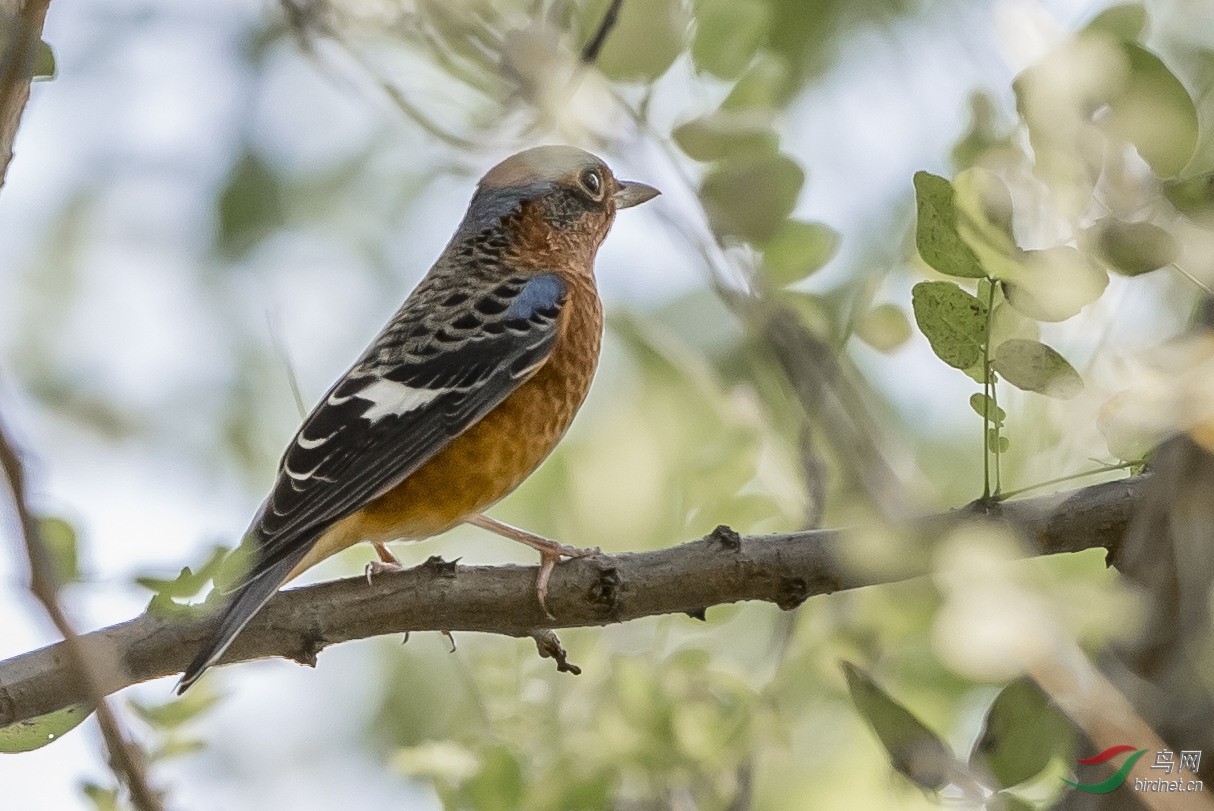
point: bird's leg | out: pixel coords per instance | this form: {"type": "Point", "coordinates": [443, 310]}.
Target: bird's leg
{"type": "Point", "coordinates": [550, 551]}
{"type": "Point", "coordinates": [387, 561]}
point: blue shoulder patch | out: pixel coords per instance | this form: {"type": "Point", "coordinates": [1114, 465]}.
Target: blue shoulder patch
{"type": "Point", "coordinates": [542, 292]}
{"type": "Point", "coordinates": [490, 205]}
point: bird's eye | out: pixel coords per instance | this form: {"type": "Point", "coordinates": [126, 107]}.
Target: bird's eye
{"type": "Point", "coordinates": [592, 182]}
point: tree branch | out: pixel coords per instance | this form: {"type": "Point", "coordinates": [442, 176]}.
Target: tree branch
{"type": "Point", "coordinates": [720, 568]}
{"type": "Point", "coordinates": [20, 33]}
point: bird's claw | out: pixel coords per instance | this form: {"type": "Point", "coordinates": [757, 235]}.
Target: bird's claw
{"type": "Point", "coordinates": [551, 556]}
{"type": "Point", "coordinates": [379, 567]}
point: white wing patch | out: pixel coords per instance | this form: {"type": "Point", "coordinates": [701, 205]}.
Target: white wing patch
{"type": "Point", "coordinates": [388, 397]}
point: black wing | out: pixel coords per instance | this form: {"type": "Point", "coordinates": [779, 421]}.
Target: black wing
{"type": "Point", "coordinates": [416, 389]}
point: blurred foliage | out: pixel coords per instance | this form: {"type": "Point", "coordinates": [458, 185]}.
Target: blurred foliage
{"type": "Point", "coordinates": [25, 736]}
{"type": "Point", "coordinates": [1110, 126]}
{"type": "Point", "coordinates": [1099, 158]}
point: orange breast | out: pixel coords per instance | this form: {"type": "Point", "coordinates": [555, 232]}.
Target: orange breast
{"type": "Point", "coordinates": [495, 455]}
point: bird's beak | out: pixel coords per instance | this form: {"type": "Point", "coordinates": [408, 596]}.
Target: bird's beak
{"type": "Point", "coordinates": [632, 194]}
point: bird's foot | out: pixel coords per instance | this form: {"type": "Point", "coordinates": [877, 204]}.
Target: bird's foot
{"type": "Point", "coordinates": [550, 551]}
{"type": "Point", "coordinates": [387, 562]}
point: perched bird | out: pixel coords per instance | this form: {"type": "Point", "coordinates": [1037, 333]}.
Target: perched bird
{"type": "Point", "coordinates": [461, 396]}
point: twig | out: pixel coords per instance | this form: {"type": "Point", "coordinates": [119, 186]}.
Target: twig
{"type": "Point", "coordinates": [1071, 477]}
{"type": "Point", "coordinates": [591, 52]}
{"type": "Point", "coordinates": [125, 757]}
{"type": "Point", "coordinates": [720, 568]}
{"type": "Point", "coordinates": [22, 24]}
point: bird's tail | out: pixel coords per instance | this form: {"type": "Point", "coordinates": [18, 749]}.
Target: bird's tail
{"type": "Point", "coordinates": [244, 605]}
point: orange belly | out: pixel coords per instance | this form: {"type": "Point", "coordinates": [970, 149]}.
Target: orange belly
{"type": "Point", "coordinates": [492, 457]}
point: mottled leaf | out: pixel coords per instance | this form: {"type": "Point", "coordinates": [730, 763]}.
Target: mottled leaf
{"type": "Point", "coordinates": [1033, 366]}
{"type": "Point", "coordinates": [750, 197]}
{"type": "Point", "coordinates": [25, 736]}
{"type": "Point", "coordinates": [914, 750]}
{"type": "Point", "coordinates": [797, 250]}
{"type": "Point", "coordinates": [953, 321]}
{"type": "Point", "coordinates": [936, 234]}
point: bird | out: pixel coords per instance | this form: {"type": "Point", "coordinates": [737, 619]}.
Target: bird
{"type": "Point", "coordinates": [459, 398]}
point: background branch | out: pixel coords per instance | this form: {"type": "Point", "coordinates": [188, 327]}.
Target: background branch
{"type": "Point", "coordinates": [84, 668]}
{"type": "Point", "coordinates": [20, 34]}
{"type": "Point", "coordinates": [720, 568]}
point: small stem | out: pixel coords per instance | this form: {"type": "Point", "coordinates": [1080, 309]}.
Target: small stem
{"type": "Point", "coordinates": [1061, 479]}
{"type": "Point", "coordinates": [990, 414]}
{"type": "Point", "coordinates": [1193, 279]}
{"type": "Point", "coordinates": [990, 320]}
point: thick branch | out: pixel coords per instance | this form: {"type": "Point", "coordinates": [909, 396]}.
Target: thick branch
{"type": "Point", "coordinates": [720, 568]}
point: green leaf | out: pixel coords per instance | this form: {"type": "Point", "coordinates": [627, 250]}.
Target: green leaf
{"type": "Point", "coordinates": [1033, 366]}
{"type": "Point", "coordinates": [983, 207]}
{"type": "Point", "coordinates": [26, 736]}
{"type": "Point", "coordinates": [176, 712]}
{"type": "Point", "coordinates": [1153, 111]}
{"type": "Point", "coordinates": [936, 234]}
{"type": "Point", "coordinates": [996, 443]}
{"type": "Point", "coordinates": [815, 313]}
{"type": "Point", "coordinates": [44, 63]}
{"type": "Point", "coordinates": [1053, 284]}
{"type": "Point", "coordinates": [1133, 248]}
{"type": "Point", "coordinates": [766, 85]}
{"type": "Point", "coordinates": [250, 207]}
{"type": "Point", "coordinates": [985, 407]}
{"type": "Point", "coordinates": [1193, 196]}
{"type": "Point", "coordinates": [914, 750]}
{"type": "Point", "coordinates": [1124, 22]}
{"type": "Point", "coordinates": [953, 321]}
{"type": "Point", "coordinates": [1022, 732]}
{"type": "Point", "coordinates": [884, 327]}
{"type": "Point", "coordinates": [797, 250]}
{"type": "Point", "coordinates": [1009, 802]}
{"type": "Point", "coordinates": [102, 798]}
{"type": "Point", "coordinates": [986, 131]}
{"type": "Point", "coordinates": [189, 583]}
{"type": "Point", "coordinates": [59, 540]}
{"type": "Point", "coordinates": [727, 133]}
{"type": "Point", "coordinates": [728, 34]}
{"type": "Point", "coordinates": [750, 197]}
{"type": "Point", "coordinates": [498, 786]}
{"type": "Point", "coordinates": [646, 40]}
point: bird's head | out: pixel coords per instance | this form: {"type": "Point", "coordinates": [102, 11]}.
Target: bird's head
{"type": "Point", "coordinates": [565, 196]}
